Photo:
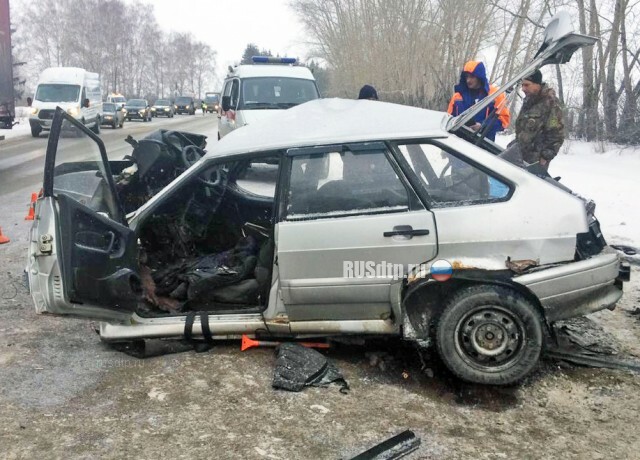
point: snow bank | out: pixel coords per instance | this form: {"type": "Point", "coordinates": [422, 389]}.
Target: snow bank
{"type": "Point", "coordinates": [609, 175]}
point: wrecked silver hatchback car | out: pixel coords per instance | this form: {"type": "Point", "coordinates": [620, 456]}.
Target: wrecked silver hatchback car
{"type": "Point", "coordinates": [336, 217]}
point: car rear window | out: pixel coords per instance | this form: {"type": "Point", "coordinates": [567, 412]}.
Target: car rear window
{"type": "Point", "coordinates": [451, 180]}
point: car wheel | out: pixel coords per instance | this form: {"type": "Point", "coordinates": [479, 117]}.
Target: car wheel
{"type": "Point", "coordinates": [35, 131]}
{"type": "Point", "coordinates": [489, 334]}
{"type": "Point", "coordinates": [115, 125]}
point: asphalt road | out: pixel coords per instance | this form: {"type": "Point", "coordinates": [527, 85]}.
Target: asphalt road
{"type": "Point", "coordinates": [22, 158]}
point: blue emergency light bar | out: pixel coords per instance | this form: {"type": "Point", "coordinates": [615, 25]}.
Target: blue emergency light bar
{"type": "Point", "coordinates": [273, 60]}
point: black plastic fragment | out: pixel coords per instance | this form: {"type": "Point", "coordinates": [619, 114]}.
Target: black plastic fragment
{"type": "Point", "coordinates": [298, 367]}
{"type": "Point", "coordinates": [395, 447]}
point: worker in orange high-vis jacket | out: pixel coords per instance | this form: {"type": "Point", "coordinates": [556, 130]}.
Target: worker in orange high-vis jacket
{"type": "Point", "coordinates": [473, 87]}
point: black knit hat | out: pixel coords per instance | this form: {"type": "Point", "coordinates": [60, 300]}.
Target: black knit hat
{"type": "Point", "coordinates": [535, 77]}
{"type": "Point", "coordinates": [368, 92]}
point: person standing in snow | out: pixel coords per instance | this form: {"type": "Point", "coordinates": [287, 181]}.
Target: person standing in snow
{"type": "Point", "coordinates": [474, 86]}
{"type": "Point", "coordinates": [539, 126]}
{"type": "Point", "coordinates": [368, 92]}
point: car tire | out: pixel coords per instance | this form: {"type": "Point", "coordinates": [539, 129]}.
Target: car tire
{"type": "Point", "coordinates": [115, 125]}
{"type": "Point", "coordinates": [489, 334]}
{"type": "Point", "coordinates": [35, 131]}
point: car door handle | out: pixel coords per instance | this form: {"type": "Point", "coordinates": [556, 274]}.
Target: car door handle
{"type": "Point", "coordinates": [111, 238]}
{"type": "Point", "coordinates": [406, 230]}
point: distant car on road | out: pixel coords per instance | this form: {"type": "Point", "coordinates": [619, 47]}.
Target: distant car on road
{"type": "Point", "coordinates": [162, 108]}
{"type": "Point", "coordinates": [185, 104]}
{"type": "Point", "coordinates": [212, 103]}
{"type": "Point", "coordinates": [138, 109]}
{"type": "Point", "coordinates": [112, 115]}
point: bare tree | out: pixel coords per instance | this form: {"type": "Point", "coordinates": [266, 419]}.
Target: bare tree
{"type": "Point", "coordinates": [412, 51]}
{"type": "Point", "coordinates": [120, 40]}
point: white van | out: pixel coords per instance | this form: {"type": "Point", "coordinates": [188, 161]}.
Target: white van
{"type": "Point", "coordinates": [75, 90]}
{"type": "Point", "coordinates": [255, 91]}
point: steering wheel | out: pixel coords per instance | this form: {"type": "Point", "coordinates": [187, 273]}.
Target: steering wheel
{"type": "Point", "coordinates": [214, 178]}
{"type": "Point", "coordinates": [190, 155]}
{"type": "Point", "coordinates": [170, 138]}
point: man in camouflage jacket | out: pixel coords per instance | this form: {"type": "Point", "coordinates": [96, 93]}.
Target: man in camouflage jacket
{"type": "Point", "coordinates": [539, 126]}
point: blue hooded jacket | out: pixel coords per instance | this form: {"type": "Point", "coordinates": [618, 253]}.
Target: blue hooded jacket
{"type": "Point", "coordinates": [465, 97]}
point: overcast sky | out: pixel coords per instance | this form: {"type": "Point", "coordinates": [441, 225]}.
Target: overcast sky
{"type": "Point", "coordinates": [229, 25]}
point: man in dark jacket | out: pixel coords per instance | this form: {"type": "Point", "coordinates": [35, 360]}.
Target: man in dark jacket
{"type": "Point", "coordinates": [539, 126]}
{"type": "Point", "coordinates": [473, 87]}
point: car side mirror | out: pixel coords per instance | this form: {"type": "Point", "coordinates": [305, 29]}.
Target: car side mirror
{"type": "Point", "coordinates": [226, 103]}
{"type": "Point", "coordinates": [85, 103]}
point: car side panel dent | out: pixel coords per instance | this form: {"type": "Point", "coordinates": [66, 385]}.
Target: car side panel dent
{"type": "Point", "coordinates": [576, 288]}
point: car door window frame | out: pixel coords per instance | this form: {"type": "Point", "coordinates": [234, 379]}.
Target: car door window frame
{"type": "Point", "coordinates": [422, 191]}
{"type": "Point", "coordinates": [235, 87]}
{"type": "Point", "coordinates": [414, 202]}
{"type": "Point", "coordinates": [50, 161]}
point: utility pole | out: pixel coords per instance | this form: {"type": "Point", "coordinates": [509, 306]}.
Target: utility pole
{"type": "Point", "coordinates": [7, 98]}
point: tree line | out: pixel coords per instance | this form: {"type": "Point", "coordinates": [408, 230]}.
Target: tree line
{"type": "Point", "coordinates": [119, 40]}
{"type": "Point", "coordinates": [413, 52]}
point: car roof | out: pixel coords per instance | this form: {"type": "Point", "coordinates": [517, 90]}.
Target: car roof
{"type": "Point", "coordinates": [271, 70]}
{"type": "Point", "coordinates": [327, 121]}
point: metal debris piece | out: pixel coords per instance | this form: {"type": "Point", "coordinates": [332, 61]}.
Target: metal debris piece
{"type": "Point", "coordinates": [584, 335]}
{"type": "Point", "coordinates": [604, 362]}
{"type": "Point", "coordinates": [395, 447]}
{"type": "Point", "coordinates": [583, 342]}
{"type": "Point", "coordinates": [520, 266]}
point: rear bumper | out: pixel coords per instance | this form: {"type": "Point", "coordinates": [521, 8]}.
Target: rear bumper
{"type": "Point", "coordinates": [578, 288]}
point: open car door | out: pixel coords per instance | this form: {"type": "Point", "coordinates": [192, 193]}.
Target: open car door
{"type": "Point", "coordinates": [82, 255]}
{"type": "Point", "coordinates": [558, 46]}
